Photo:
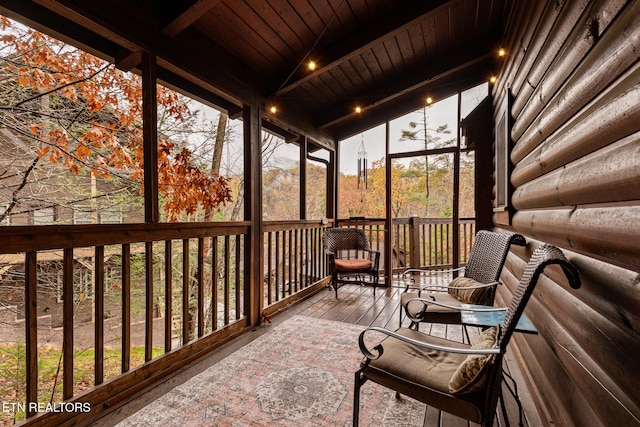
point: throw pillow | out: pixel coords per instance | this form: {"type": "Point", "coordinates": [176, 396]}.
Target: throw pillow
{"type": "Point", "coordinates": [471, 375]}
{"type": "Point", "coordinates": [459, 288]}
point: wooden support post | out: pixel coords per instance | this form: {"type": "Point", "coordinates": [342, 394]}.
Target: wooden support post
{"type": "Point", "coordinates": [254, 245]}
{"type": "Point", "coordinates": [150, 138]}
{"type": "Point", "coordinates": [388, 222]}
{"type": "Point", "coordinates": [303, 177]}
{"type": "Point", "coordinates": [414, 242]}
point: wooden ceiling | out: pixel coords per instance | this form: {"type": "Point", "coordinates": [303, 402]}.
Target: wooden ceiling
{"type": "Point", "coordinates": [382, 55]}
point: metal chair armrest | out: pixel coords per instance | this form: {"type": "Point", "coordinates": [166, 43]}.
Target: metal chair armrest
{"type": "Point", "coordinates": [432, 272]}
{"type": "Point", "coordinates": [480, 286]}
{"type": "Point", "coordinates": [379, 349]}
{"type": "Point", "coordinates": [407, 280]}
{"type": "Point", "coordinates": [453, 307]}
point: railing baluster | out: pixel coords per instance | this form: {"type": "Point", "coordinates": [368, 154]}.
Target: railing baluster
{"type": "Point", "coordinates": [290, 277]}
{"type": "Point", "coordinates": [148, 273]}
{"type": "Point", "coordinates": [168, 295]}
{"type": "Point", "coordinates": [296, 273]}
{"type": "Point", "coordinates": [214, 282]}
{"type": "Point", "coordinates": [200, 279]}
{"type": "Point", "coordinates": [31, 330]}
{"type": "Point", "coordinates": [276, 269]}
{"type": "Point", "coordinates": [67, 324]}
{"type": "Point", "coordinates": [126, 307]}
{"type": "Point", "coordinates": [226, 279]}
{"type": "Point", "coordinates": [238, 278]}
{"type": "Point", "coordinates": [185, 291]}
{"type": "Point", "coordinates": [99, 315]}
{"type": "Point", "coordinates": [269, 254]}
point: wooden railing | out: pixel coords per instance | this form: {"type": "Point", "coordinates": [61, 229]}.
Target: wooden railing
{"type": "Point", "coordinates": [122, 306]}
{"type": "Point", "coordinates": [142, 300]}
{"type": "Point", "coordinates": [293, 260]}
{"type": "Point", "coordinates": [418, 242]}
{"type": "Point", "coordinates": [428, 242]}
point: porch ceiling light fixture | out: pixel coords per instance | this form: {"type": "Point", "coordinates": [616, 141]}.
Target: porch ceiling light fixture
{"type": "Point", "coordinates": [311, 65]}
{"type": "Point", "coordinates": [358, 109]}
{"type": "Point", "coordinates": [502, 52]}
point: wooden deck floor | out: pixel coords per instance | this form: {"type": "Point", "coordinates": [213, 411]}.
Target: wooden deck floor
{"type": "Point", "coordinates": [357, 305]}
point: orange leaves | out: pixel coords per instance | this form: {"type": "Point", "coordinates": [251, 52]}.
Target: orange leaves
{"type": "Point", "coordinates": [42, 152]}
{"type": "Point", "coordinates": [83, 152]}
{"type": "Point", "coordinates": [186, 188]}
{"type": "Point", "coordinates": [89, 119]}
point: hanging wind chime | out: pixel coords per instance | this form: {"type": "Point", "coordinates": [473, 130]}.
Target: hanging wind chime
{"type": "Point", "coordinates": [362, 164]}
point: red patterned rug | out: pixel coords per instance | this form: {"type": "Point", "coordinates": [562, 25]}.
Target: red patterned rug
{"type": "Point", "coordinates": [298, 374]}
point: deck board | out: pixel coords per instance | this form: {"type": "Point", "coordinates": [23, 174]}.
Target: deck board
{"type": "Point", "coordinates": [356, 305]}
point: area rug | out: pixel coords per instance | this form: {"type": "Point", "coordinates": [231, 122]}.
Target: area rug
{"type": "Point", "coordinates": [300, 373]}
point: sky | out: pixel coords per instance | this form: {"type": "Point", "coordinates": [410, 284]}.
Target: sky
{"type": "Point", "coordinates": [441, 112]}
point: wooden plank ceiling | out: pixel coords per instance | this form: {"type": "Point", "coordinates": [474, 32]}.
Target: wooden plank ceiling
{"type": "Point", "coordinates": [382, 55]}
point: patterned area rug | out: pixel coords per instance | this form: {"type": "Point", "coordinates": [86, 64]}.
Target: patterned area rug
{"type": "Point", "coordinates": [298, 374]}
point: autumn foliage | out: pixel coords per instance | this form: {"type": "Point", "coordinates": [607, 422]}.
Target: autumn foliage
{"type": "Point", "coordinates": [89, 119]}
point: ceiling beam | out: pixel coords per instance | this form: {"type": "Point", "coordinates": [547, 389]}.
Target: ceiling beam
{"type": "Point", "coordinates": [126, 60]}
{"type": "Point", "coordinates": [388, 26]}
{"type": "Point", "coordinates": [138, 33]}
{"type": "Point", "coordinates": [61, 27]}
{"type": "Point", "coordinates": [183, 20]}
{"type": "Point", "coordinates": [416, 80]}
{"type": "Point", "coordinates": [409, 102]}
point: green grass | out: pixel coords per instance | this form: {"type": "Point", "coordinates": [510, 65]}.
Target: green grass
{"type": "Point", "coordinates": [13, 374]}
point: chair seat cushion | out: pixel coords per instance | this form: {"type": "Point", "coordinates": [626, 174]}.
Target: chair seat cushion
{"type": "Point", "coordinates": [466, 290]}
{"type": "Point", "coordinates": [356, 264]}
{"type": "Point", "coordinates": [424, 374]}
{"type": "Point", "coordinates": [434, 313]}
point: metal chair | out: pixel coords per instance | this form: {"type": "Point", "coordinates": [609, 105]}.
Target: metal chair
{"type": "Point", "coordinates": [484, 266]}
{"type": "Point", "coordinates": [350, 254]}
{"type": "Point", "coordinates": [461, 379]}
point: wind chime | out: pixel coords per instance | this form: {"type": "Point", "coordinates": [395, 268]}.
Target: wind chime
{"type": "Point", "coordinates": [362, 164]}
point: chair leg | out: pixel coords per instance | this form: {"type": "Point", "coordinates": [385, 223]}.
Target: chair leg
{"type": "Point", "coordinates": [356, 399]}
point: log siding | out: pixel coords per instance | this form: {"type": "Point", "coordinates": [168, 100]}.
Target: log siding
{"type": "Point", "coordinates": [575, 143]}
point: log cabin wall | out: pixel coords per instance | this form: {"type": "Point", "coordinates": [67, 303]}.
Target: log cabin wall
{"type": "Point", "coordinates": [572, 83]}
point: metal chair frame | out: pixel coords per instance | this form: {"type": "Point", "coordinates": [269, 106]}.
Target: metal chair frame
{"type": "Point", "coordinates": [349, 243]}
{"type": "Point", "coordinates": [484, 265]}
{"type": "Point", "coordinates": [492, 391]}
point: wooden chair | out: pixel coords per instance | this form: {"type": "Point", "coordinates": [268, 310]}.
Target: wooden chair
{"type": "Point", "coordinates": [350, 254]}
{"type": "Point", "coordinates": [477, 285]}
{"type": "Point", "coordinates": [458, 378]}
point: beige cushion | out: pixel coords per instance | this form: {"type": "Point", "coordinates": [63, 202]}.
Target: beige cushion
{"type": "Point", "coordinates": [424, 374]}
{"type": "Point", "coordinates": [458, 288]}
{"type": "Point", "coordinates": [472, 374]}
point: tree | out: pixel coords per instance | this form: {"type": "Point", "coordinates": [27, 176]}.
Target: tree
{"type": "Point", "coordinates": [420, 132]}
{"type": "Point", "coordinates": [75, 110]}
